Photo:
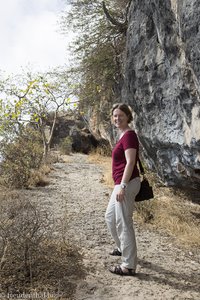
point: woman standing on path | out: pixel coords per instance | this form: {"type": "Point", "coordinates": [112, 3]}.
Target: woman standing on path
{"type": "Point", "coordinates": [125, 174]}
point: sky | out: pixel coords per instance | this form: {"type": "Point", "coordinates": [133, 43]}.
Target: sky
{"type": "Point", "coordinates": [30, 36]}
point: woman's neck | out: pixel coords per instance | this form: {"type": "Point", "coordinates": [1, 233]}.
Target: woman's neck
{"type": "Point", "coordinates": [123, 131]}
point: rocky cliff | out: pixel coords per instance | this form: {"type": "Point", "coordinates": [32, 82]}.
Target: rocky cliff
{"type": "Point", "coordinates": [162, 73]}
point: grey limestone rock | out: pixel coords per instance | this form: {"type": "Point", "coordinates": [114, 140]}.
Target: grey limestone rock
{"type": "Point", "coordinates": [162, 73]}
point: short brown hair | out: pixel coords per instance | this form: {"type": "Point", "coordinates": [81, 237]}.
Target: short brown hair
{"type": "Point", "coordinates": [125, 108]}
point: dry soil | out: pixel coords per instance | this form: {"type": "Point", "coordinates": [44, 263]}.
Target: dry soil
{"type": "Point", "coordinates": [165, 271]}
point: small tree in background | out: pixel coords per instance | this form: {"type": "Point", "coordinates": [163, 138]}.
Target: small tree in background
{"type": "Point", "coordinates": [26, 103]}
{"type": "Point", "coordinates": [29, 99]}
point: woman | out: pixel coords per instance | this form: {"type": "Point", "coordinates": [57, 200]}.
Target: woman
{"type": "Point", "coordinates": [125, 174]}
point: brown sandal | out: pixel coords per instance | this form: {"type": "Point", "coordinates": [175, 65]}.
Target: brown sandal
{"type": "Point", "coordinates": [118, 271]}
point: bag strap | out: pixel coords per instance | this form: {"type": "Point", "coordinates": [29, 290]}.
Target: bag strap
{"type": "Point", "coordinates": [141, 167]}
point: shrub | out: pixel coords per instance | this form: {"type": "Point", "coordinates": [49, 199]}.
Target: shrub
{"type": "Point", "coordinates": [38, 176]}
{"type": "Point", "coordinates": [104, 148]}
{"type": "Point", "coordinates": [20, 157]}
{"type": "Point", "coordinates": [34, 257]}
{"type": "Point", "coordinates": [65, 145]}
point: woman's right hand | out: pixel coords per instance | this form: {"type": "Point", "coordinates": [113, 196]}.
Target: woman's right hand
{"type": "Point", "coordinates": [120, 197]}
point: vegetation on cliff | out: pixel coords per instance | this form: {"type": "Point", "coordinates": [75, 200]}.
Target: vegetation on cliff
{"type": "Point", "coordinates": [98, 49]}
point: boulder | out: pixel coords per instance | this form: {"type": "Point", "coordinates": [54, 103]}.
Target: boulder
{"type": "Point", "coordinates": [76, 128]}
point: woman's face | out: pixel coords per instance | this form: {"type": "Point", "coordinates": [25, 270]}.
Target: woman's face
{"type": "Point", "coordinates": [120, 119]}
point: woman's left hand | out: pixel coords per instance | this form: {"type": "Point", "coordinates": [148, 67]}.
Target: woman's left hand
{"type": "Point", "coordinates": [120, 197]}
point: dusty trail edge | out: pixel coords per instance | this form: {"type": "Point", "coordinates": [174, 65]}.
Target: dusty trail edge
{"type": "Point", "coordinates": [165, 271]}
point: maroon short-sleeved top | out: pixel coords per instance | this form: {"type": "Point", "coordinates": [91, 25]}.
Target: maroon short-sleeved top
{"type": "Point", "coordinates": [128, 140]}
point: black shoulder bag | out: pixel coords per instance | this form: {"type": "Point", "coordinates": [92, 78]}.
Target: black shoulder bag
{"type": "Point", "coordinates": [146, 191]}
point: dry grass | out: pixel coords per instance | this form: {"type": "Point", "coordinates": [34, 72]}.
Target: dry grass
{"type": "Point", "coordinates": [27, 243]}
{"type": "Point", "coordinates": [172, 214]}
{"type": "Point", "coordinates": [170, 210]}
{"type": "Point", "coordinates": [56, 156]}
{"type": "Point", "coordinates": [106, 163]}
{"type": "Point", "coordinates": [66, 158]}
{"type": "Point", "coordinates": [39, 176]}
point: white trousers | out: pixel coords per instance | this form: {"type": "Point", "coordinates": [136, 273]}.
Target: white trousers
{"type": "Point", "coordinates": [119, 219]}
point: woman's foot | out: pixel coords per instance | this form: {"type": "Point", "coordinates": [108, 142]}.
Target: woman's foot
{"type": "Point", "coordinates": [116, 252]}
{"type": "Point", "coordinates": [119, 270]}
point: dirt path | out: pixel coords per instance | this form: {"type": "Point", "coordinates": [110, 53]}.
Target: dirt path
{"type": "Point", "coordinates": [164, 271]}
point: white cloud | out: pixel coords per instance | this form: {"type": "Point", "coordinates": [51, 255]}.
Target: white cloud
{"type": "Point", "coordinates": [29, 35]}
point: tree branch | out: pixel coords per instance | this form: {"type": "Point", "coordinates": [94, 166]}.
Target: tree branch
{"type": "Point", "coordinates": [122, 27]}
